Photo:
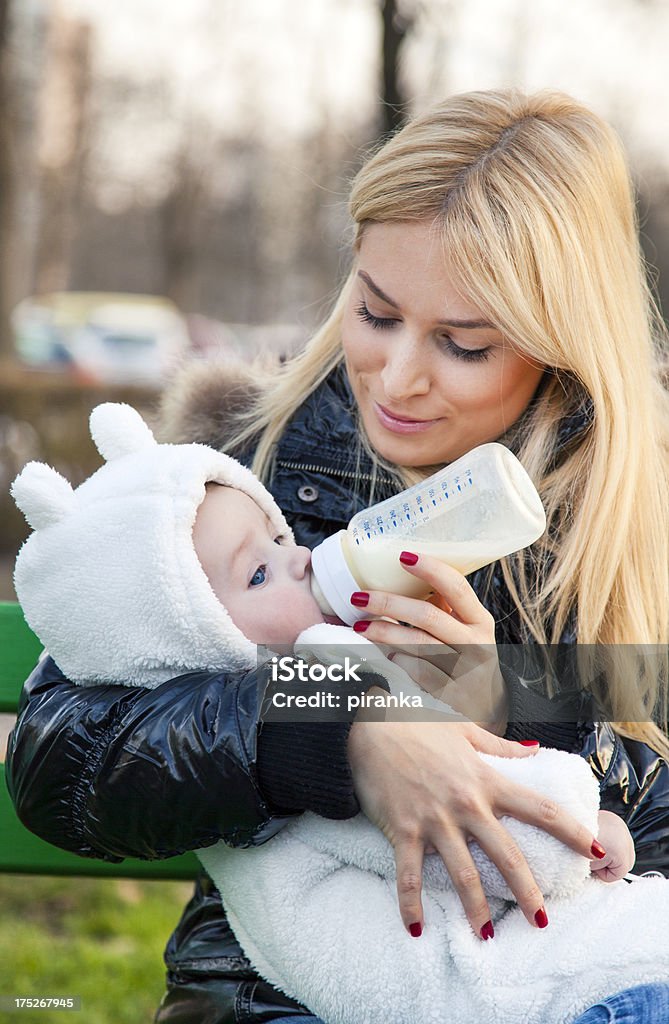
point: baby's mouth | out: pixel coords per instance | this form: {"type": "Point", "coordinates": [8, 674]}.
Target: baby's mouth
{"type": "Point", "coordinates": [331, 620]}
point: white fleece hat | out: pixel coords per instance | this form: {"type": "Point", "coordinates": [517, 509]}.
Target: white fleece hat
{"type": "Point", "coordinates": [110, 580]}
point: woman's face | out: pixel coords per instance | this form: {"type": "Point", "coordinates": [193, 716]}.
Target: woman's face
{"type": "Point", "coordinates": [431, 377]}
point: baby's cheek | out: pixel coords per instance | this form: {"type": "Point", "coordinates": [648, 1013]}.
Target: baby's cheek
{"type": "Point", "coordinates": [309, 614]}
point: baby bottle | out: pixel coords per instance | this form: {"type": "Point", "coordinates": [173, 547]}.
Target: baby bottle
{"type": "Point", "coordinates": [468, 514]}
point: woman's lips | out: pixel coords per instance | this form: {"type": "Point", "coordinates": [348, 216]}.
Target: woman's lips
{"type": "Point", "coordinates": [400, 424]}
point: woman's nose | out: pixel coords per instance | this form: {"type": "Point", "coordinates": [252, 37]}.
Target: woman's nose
{"type": "Point", "coordinates": [406, 371]}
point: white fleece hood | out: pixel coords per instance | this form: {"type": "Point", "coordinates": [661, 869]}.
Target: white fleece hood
{"type": "Point", "coordinates": [109, 579]}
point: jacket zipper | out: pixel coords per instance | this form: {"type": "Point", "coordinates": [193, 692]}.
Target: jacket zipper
{"type": "Point", "coordinates": [329, 471]}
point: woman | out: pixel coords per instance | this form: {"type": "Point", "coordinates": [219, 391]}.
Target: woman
{"type": "Point", "coordinates": [497, 292]}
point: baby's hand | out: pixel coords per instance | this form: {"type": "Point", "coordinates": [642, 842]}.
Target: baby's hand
{"type": "Point", "coordinates": [616, 839]}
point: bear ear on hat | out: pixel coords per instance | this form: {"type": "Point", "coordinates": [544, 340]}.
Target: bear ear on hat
{"type": "Point", "coordinates": [43, 495]}
{"type": "Point", "coordinates": [117, 429]}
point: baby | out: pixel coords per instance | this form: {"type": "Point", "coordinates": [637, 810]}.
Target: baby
{"type": "Point", "coordinates": [174, 558]}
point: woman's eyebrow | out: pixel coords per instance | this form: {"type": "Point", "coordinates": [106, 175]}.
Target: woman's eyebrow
{"type": "Point", "coordinates": [467, 325]}
{"type": "Point", "coordinates": [375, 288]}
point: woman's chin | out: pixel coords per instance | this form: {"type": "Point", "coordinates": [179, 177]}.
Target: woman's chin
{"type": "Point", "coordinates": [404, 451]}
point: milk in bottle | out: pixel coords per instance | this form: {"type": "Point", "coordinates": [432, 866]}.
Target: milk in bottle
{"type": "Point", "coordinates": [472, 512]}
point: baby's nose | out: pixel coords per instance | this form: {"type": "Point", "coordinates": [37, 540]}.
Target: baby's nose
{"type": "Point", "coordinates": [301, 560]}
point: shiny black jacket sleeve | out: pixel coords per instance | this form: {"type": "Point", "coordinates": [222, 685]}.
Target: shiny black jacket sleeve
{"type": "Point", "coordinates": [633, 778]}
{"type": "Point", "coordinates": [634, 783]}
{"type": "Point", "coordinates": [111, 772]}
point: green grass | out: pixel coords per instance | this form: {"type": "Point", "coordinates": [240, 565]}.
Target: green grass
{"type": "Point", "coordinates": [101, 940]}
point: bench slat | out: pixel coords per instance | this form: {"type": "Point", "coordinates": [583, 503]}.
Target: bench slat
{"type": "Point", "coordinates": [19, 652]}
{"type": "Point", "coordinates": [23, 853]}
{"type": "Point", "coordinates": [20, 851]}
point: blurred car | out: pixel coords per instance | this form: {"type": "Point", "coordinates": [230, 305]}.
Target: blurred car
{"type": "Point", "coordinates": [102, 337]}
{"type": "Point", "coordinates": [213, 339]}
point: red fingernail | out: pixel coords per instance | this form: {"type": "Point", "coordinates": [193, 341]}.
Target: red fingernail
{"type": "Point", "coordinates": [360, 599]}
{"type": "Point", "coordinates": [361, 626]}
{"type": "Point", "coordinates": [597, 850]}
{"type": "Point", "coordinates": [408, 558]}
{"type": "Point", "coordinates": [541, 918]}
{"type": "Point", "coordinates": [487, 932]}
{"type": "Point", "coordinates": [416, 929]}
{"type": "Point", "coordinates": [528, 743]}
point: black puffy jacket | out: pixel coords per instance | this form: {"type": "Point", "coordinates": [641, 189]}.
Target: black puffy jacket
{"type": "Point", "coordinates": [84, 766]}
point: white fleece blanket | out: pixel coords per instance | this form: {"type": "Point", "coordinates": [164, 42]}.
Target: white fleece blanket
{"type": "Point", "coordinates": [315, 910]}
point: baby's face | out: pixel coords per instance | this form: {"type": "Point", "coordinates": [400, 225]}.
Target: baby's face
{"type": "Point", "coordinates": [263, 583]}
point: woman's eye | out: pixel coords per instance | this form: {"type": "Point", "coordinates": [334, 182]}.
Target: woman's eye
{"type": "Point", "coordinates": [279, 540]}
{"type": "Point", "coordinates": [469, 355]}
{"type": "Point", "coordinates": [377, 322]}
{"type": "Point", "coordinates": [259, 576]}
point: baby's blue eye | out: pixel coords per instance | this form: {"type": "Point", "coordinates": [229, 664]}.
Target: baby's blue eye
{"type": "Point", "coordinates": [259, 576]}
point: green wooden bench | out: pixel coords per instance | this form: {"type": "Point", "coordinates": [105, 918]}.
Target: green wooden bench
{"type": "Point", "coordinates": [20, 851]}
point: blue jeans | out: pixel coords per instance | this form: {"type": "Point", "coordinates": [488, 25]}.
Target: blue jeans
{"type": "Point", "coordinates": [646, 1004]}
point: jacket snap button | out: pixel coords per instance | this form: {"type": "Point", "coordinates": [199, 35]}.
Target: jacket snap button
{"type": "Point", "coordinates": [307, 493]}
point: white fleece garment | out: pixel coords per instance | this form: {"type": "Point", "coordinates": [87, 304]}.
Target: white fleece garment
{"type": "Point", "coordinates": [315, 910]}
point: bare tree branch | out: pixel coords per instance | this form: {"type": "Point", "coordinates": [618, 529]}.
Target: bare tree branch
{"type": "Point", "coordinates": [6, 187]}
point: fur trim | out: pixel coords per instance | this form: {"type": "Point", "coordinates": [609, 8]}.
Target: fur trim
{"type": "Point", "coordinates": [204, 399]}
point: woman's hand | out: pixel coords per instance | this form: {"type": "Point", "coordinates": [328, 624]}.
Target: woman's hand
{"type": "Point", "coordinates": [454, 615]}
{"type": "Point", "coordinates": [460, 667]}
{"type": "Point", "coordinates": [424, 785]}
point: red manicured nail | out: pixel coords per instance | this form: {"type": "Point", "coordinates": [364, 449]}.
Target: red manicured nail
{"type": "Point", "coordinates": [597, 850]}
{"type": "Point", "coordinates": [416, 929]}
{"type": "Point", "coordinates": [408, 558]}
{"type": "Point", "coordinates": [541, 918]}
{"type": "Point", "coordinates": [360, 599]}
{"type": "Point", "coordinates": [361, 626]}
{"type": "Point", "coordinates": [487, 932]}
{"type": "Point", "coordinates": [528, 743]}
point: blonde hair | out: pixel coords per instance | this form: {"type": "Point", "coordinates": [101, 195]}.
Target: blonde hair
{"type": "Point", "coordinates": [533, 200]}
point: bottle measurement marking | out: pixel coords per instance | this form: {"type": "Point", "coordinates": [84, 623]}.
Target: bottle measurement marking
{"type": "Point", "coordinates": [411, 512]}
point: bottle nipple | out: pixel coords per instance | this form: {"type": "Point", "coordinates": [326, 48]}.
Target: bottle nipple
{"type": "Point", "coordinates": [319, 596]}
{"type": "Point", "coordinates": [332, 581]}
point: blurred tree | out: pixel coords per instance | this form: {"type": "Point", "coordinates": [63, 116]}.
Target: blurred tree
{"type": "Point", "coordinates": [396, 25]}
{"type": "Point", "coordinates": [653, 201]}
{"type": "Point", "coordinates": [61, 146]}
{"type": "Point", "coordinates": [180, 217]}
{"type": "Point", "coordinates": [6, 188]}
